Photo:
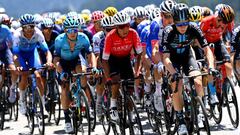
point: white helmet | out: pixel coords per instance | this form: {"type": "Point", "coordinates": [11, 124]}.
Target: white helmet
{"type": "Point", "coordinates": [81, 20]}
{"type": "Point", "coordinates": [121, 18]}
{"type": "Point", "coordinates": [129, 11]}
{"type": "Point", "coordinates": [154, 14]}
{"type": "Point", "coordinates": [139, 12]}
{"type": "Point", "coordinates": [86, 11]}
{"type": "Point", "coordinates": [72, 14]}
{"type": "Point", "coordinates": [107, 21]}
{"type": "Point", "coordinates": [219, 6]}
{"type": "Point", "coordinates": [15, 24]}
{"type": "Point", "coordinates": [38, 18]}
{"type": "Point", "coordinates": [167, 5]}
{"type": "Point", "coordinates": [2, 10]}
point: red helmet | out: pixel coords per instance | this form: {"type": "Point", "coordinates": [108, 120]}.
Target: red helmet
{"type": "Point", "coordinates": [226, 13]}
{"type": "Point", "coordinates": [97, 15]}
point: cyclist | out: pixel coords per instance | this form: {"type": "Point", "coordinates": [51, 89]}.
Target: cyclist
{"type": "Point", "coordinates": [26, 41]}
{"type": "Point", "coordinates": [68, 47]}
{"type": "Point", "coordinates": [213, 28]}
{"type": "Point", "coordinates": [98, 45]}
{"type": "Point", "coordinates": [6, 57]}
{"type": "Point", "coordinates": [96, 19]}
{"type": "Point", "coordinates": [117, 50]}
{"type": "Point", "coordinates": [110, 11]}
{"type": "Point", "coordinates": [84, 28]}
{"type": "Point", "coordinates": [177, 52]}
{"type": "Point", "coordinates": [156, 29]}
{"type": "Point", "coordinates": [139, 15]}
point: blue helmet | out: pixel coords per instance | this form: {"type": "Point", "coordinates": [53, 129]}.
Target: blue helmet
{"type": "Point", "coordinates": [71, 22]}
{"type": "Point", "coordinates": [27, 19]}
{"type": "Point", "coordinates": [47, 23]}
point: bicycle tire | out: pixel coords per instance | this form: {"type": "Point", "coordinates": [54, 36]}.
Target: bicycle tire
{"type": "Point", "coordinates": [216, 110]}
{"type": "Point", "coordinates": [2, 109]}
{"type": "Point", "coordinates": [29, 112]}
{"type": "Point", "coordinates": [15, 110]}
{"type": "Point", "coordinates": [93, 106]}
{"type": "Point", "coordinates": [235, 122]}
{"type": "Point", "coordinates": [106, 113]}
{"type": "Point", "coordinates": [136, 120]}
{"type": "Point", "coordinates": [86, 114]}
{"type": "Point", "coordinates": [151, 117]}
{"type": "Point", "coordinates": [205, 122]}
{"type": "Point", "coordinates": [39, 114]}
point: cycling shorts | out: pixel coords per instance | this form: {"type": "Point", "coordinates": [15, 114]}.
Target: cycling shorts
{"type": "Point", "coordinates": [6, 56]}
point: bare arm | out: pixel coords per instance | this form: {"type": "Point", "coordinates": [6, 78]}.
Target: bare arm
{"type": "Point", "coordinates": [168, 64]}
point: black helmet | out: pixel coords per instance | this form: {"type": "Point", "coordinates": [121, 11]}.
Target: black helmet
{"type": "Point", "coordinates": [226, 13]}
{"type": "Point", "coordinates": [180, 12]}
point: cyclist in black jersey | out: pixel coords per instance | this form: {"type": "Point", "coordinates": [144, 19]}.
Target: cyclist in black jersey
{"type": "Point", "coordinates": [177, 53]}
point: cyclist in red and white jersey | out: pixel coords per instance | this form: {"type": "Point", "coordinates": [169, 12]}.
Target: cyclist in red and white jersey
{"type": "Point", "coordinates": [116, 55]}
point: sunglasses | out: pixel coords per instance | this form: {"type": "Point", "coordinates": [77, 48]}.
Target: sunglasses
{"type": "Point", "coordinates": [123, 26]}
{"type": "Point", "coordinates": [108, 29]}
{"type": "Point", "coordinates": [47, 28]}
{"type": "Point", "coordinates": [167, 16]}
{"type": "Point", "coordinates": [28, 26]}
{"type": "Point", "coordinates": [72, 30]}
{"type": "Point", "coordinates": [182, 24]}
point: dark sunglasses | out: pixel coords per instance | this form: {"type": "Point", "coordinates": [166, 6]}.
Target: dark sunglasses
{"type": "Point", "coordinates": [30, 26]}
{"type": "Point", "coordinates": [167, 16]}
{"type": "Point", "coordinates": [123, 26]}
{"type": "Point", "coordinates": [47, 28]}
{"type": "Point", "coordinates": [72, 30]}
{"type": "Point", "coordinates": [182, 24]}
{"type": "Point", "coordinates": [108, 29]}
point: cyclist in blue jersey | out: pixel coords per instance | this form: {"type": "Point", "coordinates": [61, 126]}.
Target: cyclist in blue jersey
{"type": "Point", "coordinates": [27, 40]}
{"type": "Point", "coordinates": [68, 48]}
{"type": "Point", "coordinates": [6, 57]}
{"type": "Point", "coordinates": [139, 15]}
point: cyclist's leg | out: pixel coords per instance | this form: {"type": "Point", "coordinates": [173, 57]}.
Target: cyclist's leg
{"type": "Point", "coordinates": [192, 69]}
{"type": "Point", "coordinates": [7, 58]}
{"type": "Point", "coordinates": [226, 57]}
{"type": "Point", "coordinates": [22, 84]}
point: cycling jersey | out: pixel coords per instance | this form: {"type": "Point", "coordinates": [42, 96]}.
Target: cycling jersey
{"type": "Point", "coordinates": [89, 35]}
{"type": "Point", "coordinates": [179, 46]}
{"type": "Point", "coordinates": [156, 30]}
{"type": "Point", "coordinates": [212, 32]}
{"type": "Point", "coordinates": [175, 43]}
{"type": "Point", "coordinates": [235, 42]}
{"type": "Point", "coordinates": [145, 40]}
{"type": "Point", "coordinates": [50, 44]}
{"type": "Point", "coordinates": [121, 47]}
{"type": "Point", "coordinates": [91, 29]}
{"type": "Point", "coordinates": [98, 43]}
{"type": "Point", "coordinates": [6, 38]}
{"type": "Point", "coordinates": [26, 49]}
{"type": "Point", "coordinates": [235, 38]}
{"type": "Point", "coordinates": [63, 50]}
{"type": "Point", "coordinates": [142, 25]}
{"type": "Point", "coordinates": [133, 25]}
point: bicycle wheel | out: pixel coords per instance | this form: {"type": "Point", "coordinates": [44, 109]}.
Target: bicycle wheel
{"type": "Point", "coordinates": [204, 118]}
{"type": "Point", "coordinates": [30, 112]}
{"type": "Point", "coordinates": [106, 113]}
{"type": "Point", "coordinates": [84, 124]}
{"type": "Point", "coordinates": [93, 107]}
{"type": "Point", "coordinates": [151, 117]}
{"type": "Point", "coordinates": [38, 110]}
{"type": "Point", "coordinates": [216, 110]}
{"type": "Point", "coordinates": [54, 103]}
{"type": "Point", "coordinates": [2, 109]}
{"type": "Point", "coordinates": [135, 126]}
{"type": "Point", "coordinates": [231, 102]}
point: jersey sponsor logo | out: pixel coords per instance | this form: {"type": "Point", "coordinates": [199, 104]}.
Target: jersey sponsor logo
{"type": "Point", "coordinates": [121, 48]}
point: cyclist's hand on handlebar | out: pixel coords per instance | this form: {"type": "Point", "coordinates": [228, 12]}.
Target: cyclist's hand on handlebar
{"type": "Point", "coordinates": [213, 72]}
{"type": "Point", "coordinates": [49, 65]}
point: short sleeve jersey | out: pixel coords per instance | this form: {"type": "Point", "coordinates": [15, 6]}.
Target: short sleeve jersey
{"type": "Point", "coordinates": [121, 47]}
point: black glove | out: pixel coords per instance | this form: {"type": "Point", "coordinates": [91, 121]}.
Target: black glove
{"type": "Point", "coordinates": [175, 77]}
{"type": "Point", "coordinates": [213, 72]}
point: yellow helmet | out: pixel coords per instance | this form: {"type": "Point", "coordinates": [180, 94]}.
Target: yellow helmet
{"type": "Point", "coordinates": [86, 17]}
{"type": "Point", "coordinates": [195, 13]}
{"type": "Point", "coordinates": [110, 11]}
